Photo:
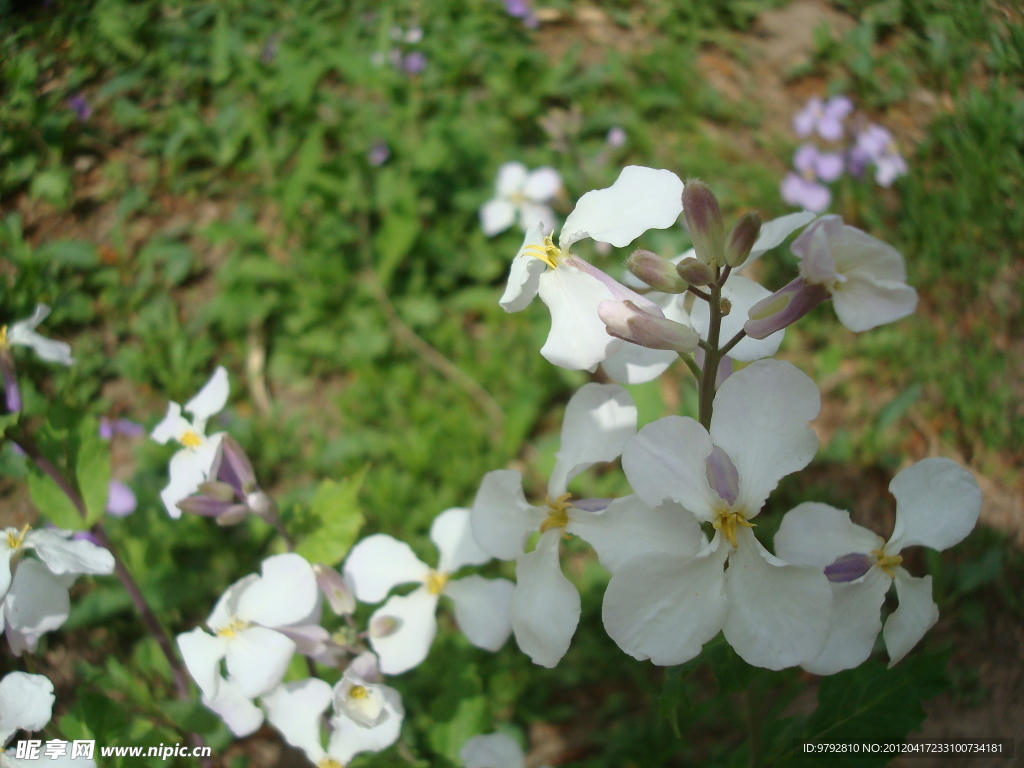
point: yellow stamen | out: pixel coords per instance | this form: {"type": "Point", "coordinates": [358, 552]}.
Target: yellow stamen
{"type": "Point", "coordinates": [15, 540]}
{"type": "Point", "coordinates": [233, 628]}
{"type": "Point", "coordinates": [435, 582]}
{"type": "Point", "coordinates": [3, 337]}
{"type": "Point", "coordinates": [888, 563]}
{"type": "Point", "coordinates": [548, 253]}
{"type": "Point", "coordinates": [190, 439]}
{"type": "Point", "coordinates": [358, 692]}
{"type": "Point", "coordinates": [558, 514]}
{"type": "Point", "coordinates": [726, 522]}
{"type": "Point", "coordinates": [329, 762]}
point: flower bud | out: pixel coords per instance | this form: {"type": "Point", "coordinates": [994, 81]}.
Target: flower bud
{"type": "Point", "coordinates": [384, 626]}
{"type": "Point", "coordinates": [695, 272]}
{"type": "Point", "coordinates": [704, 222]}
{"type": "Point", "coordinates": [217, 490]}
{"type": "Point", "coordinates": [625, 320]}
{"type": "Point", "coordinates": [782, 308]}
{"type": "Point", "coordinates": [657, 272]}
{"type": "Point", "coordinates": [337, 591]}
{"type": "Point", "coordinates": [724, 306]}
{"type": "Point", "coordinates": [233, 515]}
{"type": "Point", "coordinates": [848, 567]}
{"type": "Point", "coordinates": [741, 239]}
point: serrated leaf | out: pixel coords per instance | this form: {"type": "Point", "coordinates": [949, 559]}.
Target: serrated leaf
{"type": "Point", "coordinates": [53, 503]}
{"type": "Point", "coordinates": [335, 519]}
{"type": "Point", "coordinates": [92, 469]}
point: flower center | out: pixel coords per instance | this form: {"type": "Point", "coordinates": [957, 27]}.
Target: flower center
{"type": "Point", "coordinates": [548, 253]}
{"type": "Point", "coordinates": [15, 540]}
{"type": "Point", "coordinates": [190, 439]}
{"type": "Point", "coordinates": [435, 581]}
{"type": "Point", "coordinates": [233, 628]}
{"type": "Point", "coordinates": [726, 522]}
{"type": "Point", "coordinates": [3, 337]}
{"type": "Point", "coordinates": [358, 692]}
{"type": "Point", "coordinates": [887, 563]}
{"type": "Point", "coordinates": [329, 762]}
{"type": "Point", "coordinates": [558, 513]}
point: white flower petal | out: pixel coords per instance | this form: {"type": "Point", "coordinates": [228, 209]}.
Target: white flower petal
{"type": "Point", "coordinates": [453, 535]}
{"type": "Point", "coordinates": [598, 421]}
{"type": "Point", "coordinates": [545, 604]}
{"type": "Point", "coordinates": [360, 700]}
{"type": "Point", "coordinates": [23, 333]}
{"type": "Point", "coordinates": [187, 471]}
{"type": "Point", "coordinates": [212, 398]}
{"type": "Point", "coordinates": [533, 215]}
{"type": "Point", "coordinates": [409, 643]}
{"type": "Point", "coordinates": [511, 178]}
{"type": "Point", "coordinates": [633, 364]}
{"type": "Point", "coordinates": [378, 563]}
{"type": "Point", "coordinates": [816, 534]}
{"type": "Point", "coordinates": [37, 601]}
{"type": "Point", "coordinates": [202, 653]}
{"type": "Point", "coordinates": [542, 184]}
{"type": "Point", "coordinates": [629, 527]}
{"type": "Point", "coordinates": [295, 709]}
{"type": "Point", "coordinates": [778, 613]}
{"type": "Point", "coordinates": [524, 274]}
{"type": "Point", "coordinates": [856, 622]}
{"type": "Point", "coordinates": [26, 703]}
{"type": "Point", "coordinates": [350, 738]}
{"type": "Point", "coordinates": [916, 614]}
{"type": "Point", "coordinates": [483, 609]}
{"type": "Point", "coordinates": [286, 592]}
{"type": "Point", "coordinates": [761, 421]}
{"type": "Point", "coordinates": [63, 554]}
{"type": "Point", "coordinates": [493, 750]}
{"type": "Point", "coordinates": [578, 339]}
{"type": "Point", "coordinates": [664, 607]}
{"type": "Point", "coordinates": [863, 303]}
{"type": "Point", "coordinates": [257, 659]}
{"type": "Point", "coordinates": [743, 294]}
{"type": "Point", "coordinates": [639, 200]}
{"type": "Point", "coordinates": [172, 426]}
{"type": "Point", "coordinates": [225, 610]}
{"type": "Point", "coordinates": [500, 518]}
{"type": "Point", "coordinates": [665, 461]}
{"type": "Point", "coordinates": [857, 253]}
{"type": "Point", "coordinates": [775, 231]}
{"type": "Point", "coordinates": [496, 216]}
{"type": "Point", "coordinates": [238, 712]}
{"type": "Point", "coordinates": [937, 505]}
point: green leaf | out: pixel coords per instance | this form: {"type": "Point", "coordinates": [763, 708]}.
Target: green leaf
{"type": "Point", "coordinates": [336, 519]}
{"type": "Point", "coordinates": [52, 502]}
{"type": "Point", "coordinates": [8, 420]}
{"type": "Point", "coordinates": [220, 57]}
{"type": "Point", "coordinates": [92, 469]}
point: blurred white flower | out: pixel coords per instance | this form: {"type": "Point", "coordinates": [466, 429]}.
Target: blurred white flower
{"type": "Point", "coordinates": [522, 196]}
{"type": "Point", "coordinates": [26, 704]}
{"type": "Point", "coordinates": [23, 333]}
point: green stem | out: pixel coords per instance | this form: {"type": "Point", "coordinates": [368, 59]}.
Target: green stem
{"type": "Point", "coordinates": [753, 732]}
{"type": "Point", "coordinates": [692, 365]}
{"type": "Point", "coordinates": [732, 343]}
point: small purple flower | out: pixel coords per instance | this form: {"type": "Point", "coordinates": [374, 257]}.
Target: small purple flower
{"type": "Point", "coordinates": [824, 117]}
{"type": "Point", "coordinates": [803, 188]}
{"type": "Point", "coordinates": [807, 193]}
{"type": "Point", "coordinates": [126, 427]}
{"type": "Point", "coordinates": [414, 63]}
{"type": "Point", "coordinates": [121, 500]}
{"type": "Point", "coordinates": [616, 137]}
{"type": "Point", "coordinates": [876, 145]}
{"type": "Point", "coordinates": [378, 154]}
{"type": "Point", "coordinates": [522, 9]}
{"type": "Point", "coordinates": [81, 107]}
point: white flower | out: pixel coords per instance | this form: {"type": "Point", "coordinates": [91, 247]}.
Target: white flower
{"type": "Point", "coordinates": [295, 709]}
{"type": "Point", "coordinates": [666, 606]}
{"type": "Point", "coordinates": [190, 466]}
{"type": "Point", "coordinates": [866, 277]}
{"type": "Point", "coordinates": [33, 594]}
{"type": "Point", "coordinates": [247, 624]}
{"type": "Point", "coordinates": [23, 333]}
{"type": "Point", "coordinates": [26, 704]}
{"type": "Point", "coordinates": [599, 419]}
{"type": "Point", "coordinates": [378, 563]}
{"type": "Point", "coordinates": [492, 750]}
{"type": "Point", "coordinates": [640, 199]}
{"type": "Point", "coordinates": [937, 505]}
{"type": "Point", "coordinates": [521, 194]}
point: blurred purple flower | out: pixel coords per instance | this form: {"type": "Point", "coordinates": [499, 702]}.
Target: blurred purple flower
{"type": "Point", "coordinates": [81, 107]}
{"type": "Point", "coordinates": [378, 154]}
{"type": "Point", "coordinates": [824, 117]}
{"type": "Point", "coordinates": [827, 166]}
{"type": "Point", "coordinates": [803, 188]}
{"type": "Point", "coordinates": [270, 48]}
{"type": "Point", "coordinates": [414, 63]}
{"type": "Point", "coordinates": [616, 137]}
{"type": "Point", "coordinates": [522, 9]}
{"type": "Point", "coordinates": [121, 500]}
{"type": "Point", "coordinates": [876, 145]}
{"type": "Point", "coordinates": [126, 427]}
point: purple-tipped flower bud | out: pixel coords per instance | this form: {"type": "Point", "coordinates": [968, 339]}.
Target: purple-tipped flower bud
{"type": "Point", "coordinates": [335, 589]}
{"type": "Point", "coordinates": [741, 239]}
{"type": "Point", "coordinates": [722, 475]}
{"type": "Point", "coordinates": [695, 272]}
{"type": "Point", "coordinates": [657, 272]}
{"type": "Point", "coordinates": [704, 222]}
{"type": "Point", "coordinates": [217, 490]}
{"type": "Point", "coordinates": [12, 393]}
{"type": "Point", "coordinates": [849, 567]}
{"type": "Point", "coordinates": [784, 307]}
{"type": "Point", "coordinates": [625, 320]}
{"type": "Point", "coordinates": [233, 515]}
{"type": "Point", "coordinates": [232, 466]}
{"type": "Point", "coordinates": [384, 626]}
{"type": "Point", "coordinates": [205, 506]}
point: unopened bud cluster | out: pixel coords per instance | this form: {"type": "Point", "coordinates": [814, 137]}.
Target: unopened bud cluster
{"type": "Point", "coordinates": [707, 229]}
